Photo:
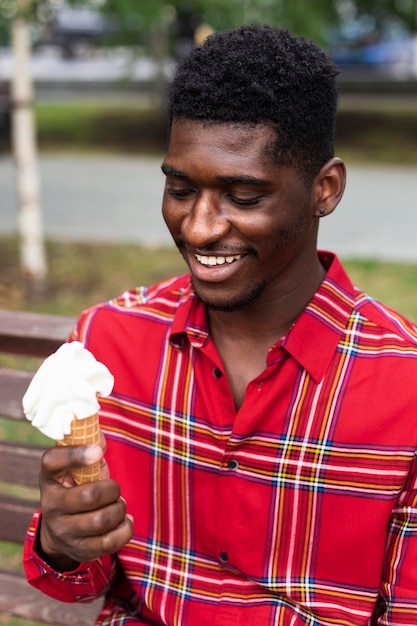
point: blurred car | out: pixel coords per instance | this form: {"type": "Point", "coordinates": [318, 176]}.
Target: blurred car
{"type": "Point", "coordinates": [359, 46]}
{"type": "Point", "coordinates": [381, 55]}
{"type": "Point", "coordinates": [76, 30]}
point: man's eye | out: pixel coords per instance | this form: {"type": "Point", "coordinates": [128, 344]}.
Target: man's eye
{"type": "Point", "coordinates": [179, 193]}
{"type": "Point", "coordinates": [245, 201]}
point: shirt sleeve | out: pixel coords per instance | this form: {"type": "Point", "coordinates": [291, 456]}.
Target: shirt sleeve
{"type": "Point", "coordinates": [397, 604]}
{"type": "Point", "coordinates": [83, 584]}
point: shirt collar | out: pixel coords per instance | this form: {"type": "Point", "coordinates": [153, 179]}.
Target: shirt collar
{"type": "Point", "coordinates": [312, 339]}
{"type": "Point", "coordinates": [316, 333]}
{"type": "Point", "coordinates": [190, 320]}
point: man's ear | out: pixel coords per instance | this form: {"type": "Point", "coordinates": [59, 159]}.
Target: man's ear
{"type": "Point", "coordinates": [328, 187]}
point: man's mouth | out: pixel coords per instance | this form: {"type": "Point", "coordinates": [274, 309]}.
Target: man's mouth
{"type": "Point", "coordinates": [217, 260]}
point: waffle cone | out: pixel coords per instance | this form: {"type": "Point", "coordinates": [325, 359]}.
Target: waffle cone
{"type": "Point", "coordinates": [84, 432]}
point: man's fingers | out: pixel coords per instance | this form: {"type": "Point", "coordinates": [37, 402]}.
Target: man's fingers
{"type": "Point", "coordinates": [79, 499]}
{"type": "Point", "coordinates": [90, 548]}
{"type": "Point", "coordinates": [101, 521]}
{"type": "Point", "coordinates": [58, 460]}
{"type": "Point", "coordinates": [84, 545]}
{"type": "Point", "coordinates": [86, 521]}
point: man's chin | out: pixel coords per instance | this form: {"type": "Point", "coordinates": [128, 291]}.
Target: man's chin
{"type": "Point", "coordinates": [231, 304]}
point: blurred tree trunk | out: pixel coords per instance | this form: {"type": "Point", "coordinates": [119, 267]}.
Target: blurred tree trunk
{"type": "Point", "coordinates": [159, 52]}
{"type": "Point", "coordinates": [32, 249]}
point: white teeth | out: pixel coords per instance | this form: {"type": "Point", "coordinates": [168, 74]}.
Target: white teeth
{"type": "Point", "coordinates": [217, 260]}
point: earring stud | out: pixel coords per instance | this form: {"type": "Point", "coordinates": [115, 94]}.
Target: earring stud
{"type": "Point", "coordinates": [322, 211]}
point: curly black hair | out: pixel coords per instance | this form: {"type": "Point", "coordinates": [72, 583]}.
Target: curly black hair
{"type": "Point", "coordinates": [258, 74]}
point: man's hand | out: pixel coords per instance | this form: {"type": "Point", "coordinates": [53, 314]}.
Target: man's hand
{"type": "Point", "coordinates": [79, 522]}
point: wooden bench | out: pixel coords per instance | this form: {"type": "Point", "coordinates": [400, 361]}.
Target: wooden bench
{"type": "Point", "coordinates": [35, 335]}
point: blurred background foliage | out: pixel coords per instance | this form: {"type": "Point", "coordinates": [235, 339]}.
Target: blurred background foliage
{"type": "Point", "coordinates": [135, 22]}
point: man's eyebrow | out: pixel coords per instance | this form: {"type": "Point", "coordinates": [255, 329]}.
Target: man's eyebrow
{"type": "Point", "coordinates": [245, 180]}
{"type": "Point", "coordinates": [171, 171]}
{"type": "Point", "coordinates": [229, 180]}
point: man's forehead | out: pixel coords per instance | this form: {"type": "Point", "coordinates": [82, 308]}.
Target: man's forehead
{"type": "Point", "coordinates": [254, 142]}
{"type": "Point", "coordinates": [239, 135]}
{"type": "Point", "coordinates": [184, 122]}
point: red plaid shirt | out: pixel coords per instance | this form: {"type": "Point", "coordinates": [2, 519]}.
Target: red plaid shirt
{"type": "Point", "coordinates": [300, 508]}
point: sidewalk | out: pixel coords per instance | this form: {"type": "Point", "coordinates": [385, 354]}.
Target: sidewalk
{"type": "Point", "coordinates": [118, 198]}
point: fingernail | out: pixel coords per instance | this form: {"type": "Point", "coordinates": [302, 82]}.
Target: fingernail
{"type": "Point", "coordinates": [130, 518]}
{"type": "Point", "coordinates": [92, 454]}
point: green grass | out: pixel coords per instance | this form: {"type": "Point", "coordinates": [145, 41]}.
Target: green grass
{"type": "Point", "coordinates": [83, 274]}
{"type": "Point", "coordinates": [377, 128]}
{"type": "Point", "coordinates": [123, 125]}
{"type": "Point", "coordinates": [394, 284]}
{"type": "Point", "coordinates": [11, 430]}
{"type": "Point", "coordinates": [377, 136]}
{"type": "Point", "coordinates": [6, 620]}
{"type": "Point", "coordinates": [11, 556]}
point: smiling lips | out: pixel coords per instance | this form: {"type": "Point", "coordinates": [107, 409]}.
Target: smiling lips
{"type": "Point", "coordinates": [217, 260]}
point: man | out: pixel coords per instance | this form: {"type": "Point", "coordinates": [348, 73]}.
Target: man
{"type": "Point", "coordinates": [261, 435]}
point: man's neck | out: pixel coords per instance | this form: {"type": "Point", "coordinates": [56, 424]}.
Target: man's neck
{"type": "Point", "coordinates": [243, 338]}
{"type": "Point", "coordinates": [272, 314]}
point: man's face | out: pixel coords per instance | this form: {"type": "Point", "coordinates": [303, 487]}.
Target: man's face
{"type": "Point", "coordinates": [244, 225]}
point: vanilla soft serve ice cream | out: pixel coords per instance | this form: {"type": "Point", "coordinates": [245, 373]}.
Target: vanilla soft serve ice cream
{"type": "Point", "coordinates": [66, 387]}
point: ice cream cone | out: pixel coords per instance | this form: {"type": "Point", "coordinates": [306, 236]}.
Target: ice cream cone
{"type": "Point", "coordinates": [84, 432]}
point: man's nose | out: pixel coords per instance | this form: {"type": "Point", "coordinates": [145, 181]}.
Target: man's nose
{"type": "Point", "coordinates": [205, 223]}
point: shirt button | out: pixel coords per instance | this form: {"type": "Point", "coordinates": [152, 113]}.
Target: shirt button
{"type": "Point", "coordinates": [233, 464]}
{"type": "Point", "coordinates": [224, 557]}
{"type": "Point", "coordinates": [217, 373]}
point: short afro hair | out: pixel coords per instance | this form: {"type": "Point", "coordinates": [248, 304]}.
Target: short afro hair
{"type": "Point", "coordinates": [258, 74]}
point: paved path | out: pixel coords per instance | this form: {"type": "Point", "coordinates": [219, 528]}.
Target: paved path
{"type": "Point", "coordinates": [118, 198]}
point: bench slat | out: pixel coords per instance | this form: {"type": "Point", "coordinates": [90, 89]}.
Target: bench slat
{"type": "Point", "coordinates": [18, 598]}
{"type": "Point", "coordinates": [20, 463]}
{"type": "Point", "coordinates": [15, 516]}
{"type": "Point", "coordinates": [35, 334]}
{"type": "Point", "coordinates": [13, 385]}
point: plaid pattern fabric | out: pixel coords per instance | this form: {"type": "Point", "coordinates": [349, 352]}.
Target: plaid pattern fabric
{"type": "Point", "coordinates": [300, 508]}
